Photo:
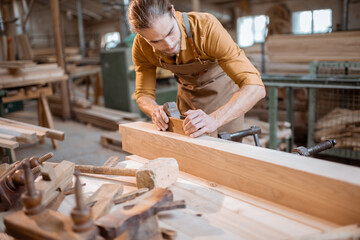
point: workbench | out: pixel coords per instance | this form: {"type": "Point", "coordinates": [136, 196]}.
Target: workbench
{"type": "Point", "coordinates": [214, 211]}
{"type": "Point", "coordinates": [21, 88]}
{"type": "Point", "coordinates": [87, 73]}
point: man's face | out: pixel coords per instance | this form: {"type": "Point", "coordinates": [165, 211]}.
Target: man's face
{"type": "Point", "coordinates": [164, 35]}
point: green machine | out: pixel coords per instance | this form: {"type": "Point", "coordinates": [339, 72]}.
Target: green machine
{"type": "Point", "coordinates": [118, 79]}
{"type": "Point", "coordinates": [118, 76]}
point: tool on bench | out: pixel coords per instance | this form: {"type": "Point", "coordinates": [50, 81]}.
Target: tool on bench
{"type": "Point", "coordinates": [36, 222]}
{"type": "Point", "coordinates": [253, 130]}
{"type": "Point", "coordinates": [175, 123]}
{"type": "Point", "coordinates": [176, 120]}
{"type": "Point", "coordinates": [81, 214]}
{"type": "Point", "coordinates": [12, 181]}
{"type": "Point", "coordinates": [139, 221]}
{"type": "Point", "coordinates": [160, 172]}
{"type": "Point", "coordinates": [308, 152]}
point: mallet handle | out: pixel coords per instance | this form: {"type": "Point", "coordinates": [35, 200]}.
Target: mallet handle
{"type": "Point", "coordinates": [106, 170]}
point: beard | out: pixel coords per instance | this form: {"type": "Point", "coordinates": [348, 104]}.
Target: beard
{"type": "Point", "coordinates": [173, 53]}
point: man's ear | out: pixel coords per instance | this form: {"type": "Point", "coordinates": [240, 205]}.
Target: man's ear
{"type": "Point", "coordinates": [173, 9]}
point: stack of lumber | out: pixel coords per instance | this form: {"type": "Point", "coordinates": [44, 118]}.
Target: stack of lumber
{"type": "Point", "coordinates": [336, 46]}
{"type": "Point", "coordinates": [112, 140]}
{"type": "Point", "coordinates": [104, 117]}
{"type": "Point", "coordinates": [273, 67]}
{"type": "Point", "coordinates": [48, 55]}
{"type": "Point", "coordinates": [342, 125]}
{"type": "Point", "coordinates": [55, 103]}
{"type": "Point", "coordinates": [261, 110]}
{"type": "Point", "coordinates": [28, 73]}
{"type": "Point", "coordinates": [79, 71]}
{"type": "Point", "coordinates": [12, 132]}
{"type": "Point", "coordinates": [283, 132]}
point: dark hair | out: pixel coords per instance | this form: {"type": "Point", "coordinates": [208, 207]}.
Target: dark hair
{"type": "Point", "coordinates": [142, 12]}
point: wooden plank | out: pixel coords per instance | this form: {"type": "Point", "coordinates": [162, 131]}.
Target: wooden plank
{"type": "Point", "coordinates": [48, 117]}
{"type": "Point", "coordinates": [59, 46]}
{"type": "Point", "coordinates": [343, 233]}
{"type": "Point", "coordinates": [301, 183]}
{"type": "Point", "coordinates": [246, 198]}
{"type": "Point", "coordinates": [117, 113]}
{"type": "Point", "coordinates": [211, 214]}
{"type": "Point", "coordinates": [7, 136]}
{"type": "Point", "coordinates": [103, 199]}
{"type": "Point", "coordinates": [5, 14]}
{"type": "Point", "coordinates": [111, 140]}
{"type": "Point", "coordinates": [28, 93]}
{"type": "Point", "coordinates": [4, 143]}
{"type": "Point", "coordinates": [76, 72]}
{"type": "Point", "coordinates": [51, 51]}
{"type": "Point", "coordinates": [22, 82]}
{"type": "Point", "coordinates": [17, 64]}
{"type": "Point", "coordinates": [21, 135]}
{"type": "Point", "coordinates": [335, 46]}
{"type": "Point", "coordinates": [50, 133]}
{"type": "Point", "coordinates": [63, 176]}
{"type": "Point", "coordinates": [40, 134]}
{"type": "Point", "coordinates": [112, 162]}
{"type": "Point", "coordinates": [25, 47]}
{"type": "Point", "coordinates": [76, 101]}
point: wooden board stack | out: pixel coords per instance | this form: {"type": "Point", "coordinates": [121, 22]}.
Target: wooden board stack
{"type": "Point", "coordinates": [48, 55]}
{"type": "Point", "coordinates": [342, 125]}
{"type": "Point", "coordinates": [283, 132]}
{"type": "Point", "coordinates": [12, 132]}
{"type": "Point", "coordinates": [56, 108]}
{"type": "Point", "coordinates": [28, 73]}
{"type": "Point", "coordinates": [273, 67]}
{"type": "Point", "coordinates": [335, 46]}
{"type": "Point", "coordinates": [104, 117]}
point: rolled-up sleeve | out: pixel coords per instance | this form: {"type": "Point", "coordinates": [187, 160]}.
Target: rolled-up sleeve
{"type": "Point", "coordinates": [231, 58]}
{"type": "Point", "coordinates": [145, 72]}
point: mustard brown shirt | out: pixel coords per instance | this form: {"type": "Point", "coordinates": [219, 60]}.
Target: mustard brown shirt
{"type": "Point", "coordinates": [212, 42]}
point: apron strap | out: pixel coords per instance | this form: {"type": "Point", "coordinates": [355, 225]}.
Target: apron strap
{"type": "Point", "coordinates": [189, 37]}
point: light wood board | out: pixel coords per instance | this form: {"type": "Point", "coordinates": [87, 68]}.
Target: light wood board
{"type": "Point", "coordinates": [212, 212]}
{"type": "Point", "coordinates": [323, 189]}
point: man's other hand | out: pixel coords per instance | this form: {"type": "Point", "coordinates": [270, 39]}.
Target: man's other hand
{"type": "Point", "coordinates": [197, 122]}
{"type": "Point", "coordinates": [159, 118]}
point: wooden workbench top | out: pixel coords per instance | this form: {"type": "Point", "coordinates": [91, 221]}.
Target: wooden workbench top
{"type": "Point", "coordinates": [215, 212]}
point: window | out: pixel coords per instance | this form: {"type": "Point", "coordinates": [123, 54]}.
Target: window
{"type": "Point", "coordinates": [251, 29]}
{"type": "Point", "coordinates": [112, 39]}
{"type": "Point", "coordinates": [307, 22]}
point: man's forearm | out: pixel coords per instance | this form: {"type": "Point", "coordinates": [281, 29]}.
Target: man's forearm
{"type": "Point", "coordinates": [147, 105]}
{"type": "Point", "coordinates": [240, 103]}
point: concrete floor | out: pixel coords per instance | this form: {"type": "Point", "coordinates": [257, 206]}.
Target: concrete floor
{"type": "Point", "coordinates": [81, 144]}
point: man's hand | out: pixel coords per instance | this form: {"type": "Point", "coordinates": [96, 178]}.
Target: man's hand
{"type": "Point", "coordinates": [197, 122]}
{"type": "Point", "coordinates": [159, 118]}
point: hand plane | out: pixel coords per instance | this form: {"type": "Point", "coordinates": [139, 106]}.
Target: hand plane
{"type": "Point", "coordinates": [175, 118]}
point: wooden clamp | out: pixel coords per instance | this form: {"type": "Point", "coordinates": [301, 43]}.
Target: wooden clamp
{"type": "Point", "coordinates": [12, 181]}
{"type": "Point", "coordinates": [61, 177]}
{"type": "Point", "coordinates": [39, 223]}
{"type": "Point", "coordinates": [139, 221]}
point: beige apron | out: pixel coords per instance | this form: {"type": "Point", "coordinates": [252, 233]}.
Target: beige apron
{"type": "Point", "coordinates": [203, 85]}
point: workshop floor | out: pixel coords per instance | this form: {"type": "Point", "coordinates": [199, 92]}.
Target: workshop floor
{"type": "Point", "coordinates": [81, 144]}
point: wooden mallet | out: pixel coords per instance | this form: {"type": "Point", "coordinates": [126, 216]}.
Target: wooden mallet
{"type": "Point", "coordinates": [158, 173]}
